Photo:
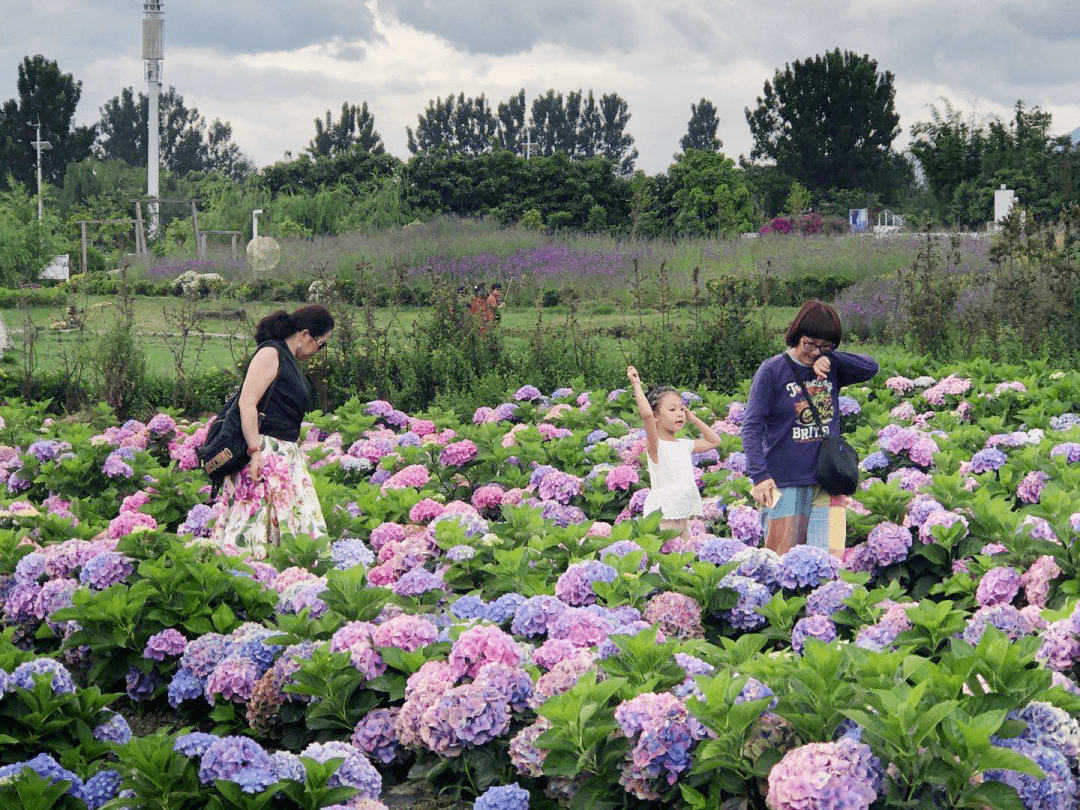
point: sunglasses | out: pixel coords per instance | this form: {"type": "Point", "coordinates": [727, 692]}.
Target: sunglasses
{"type": "Point", "coordinates": [321, 343]}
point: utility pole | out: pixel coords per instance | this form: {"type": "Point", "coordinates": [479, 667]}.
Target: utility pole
{"type": "Point", "coordinates": [153, 53]}
{"type": "Point", "coordinates": [39, 145]}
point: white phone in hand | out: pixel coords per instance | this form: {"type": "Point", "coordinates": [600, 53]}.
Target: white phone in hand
{"type": "Point", "coordinates": [775, 499]}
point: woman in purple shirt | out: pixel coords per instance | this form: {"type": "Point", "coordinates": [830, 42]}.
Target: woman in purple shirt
{"type": "Point", "coordinates": [781, 438]}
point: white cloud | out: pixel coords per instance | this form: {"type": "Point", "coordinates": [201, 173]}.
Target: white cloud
{"type": "Point", "coordinates": [270, 70]}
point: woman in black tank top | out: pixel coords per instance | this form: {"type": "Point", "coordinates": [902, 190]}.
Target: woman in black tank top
{"type": "Point", "coordinates": [274, 493]}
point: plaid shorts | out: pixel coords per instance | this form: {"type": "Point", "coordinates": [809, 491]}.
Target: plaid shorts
{"type": "Point", "coordinates": [806, 515]}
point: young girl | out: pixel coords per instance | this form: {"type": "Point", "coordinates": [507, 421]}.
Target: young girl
{"type": "Point", "coordinates": [673, 491]}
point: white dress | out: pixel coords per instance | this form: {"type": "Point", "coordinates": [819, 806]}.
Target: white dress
{"type": "Point", "coordinates": [673, 491]}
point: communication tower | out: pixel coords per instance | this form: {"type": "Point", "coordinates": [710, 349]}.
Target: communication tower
{"type": "Point", "coordinates": [153, 53]}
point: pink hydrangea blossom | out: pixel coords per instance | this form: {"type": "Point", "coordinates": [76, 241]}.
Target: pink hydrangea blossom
{"type": "Point", "coordinates": [552, 651]}
{"type": "Point", "coordinates": [127, 522]}
{"type": "Point", "coordinates": [843, 773]}
{"type": "Point", "coordinates": [425, 511]}
{"type": "Point", "coordinates": [355, 638]}
{"type": "Point", "coordinates": [599, 529]}
{"type": "Point", "coordinates": [481, 645]}
{"type": "Point", "coordinates": [550, 433]}
{"type": "Point", "coordinates": [940, 517]}
{"type": "Point", "coordinates": [487, 496]}
{"type": "Point", "coordinates": [136, 501]}
{"type": "Point", "coordinates": [1030, 488]}
{"type": "Point", "coordinates": [291, 576]}
{"type": "Point", "coordinates": [1036, 580]}
{"type": "Point", "coordinates": [458, 453]}
{"type": "Point", "coordinates": [947, 386]}
{"type": "Point", "coordinates": [422, 427]}
{"type": "Point", "coordinates": [676, 614]}
{"type": "Point", "coordinates": [899, 385]}
{"type": "Point", "coordinates": [406, 632]}
{"type": "Point", "coordinates": [622, 477]}
{"type": "Point", "coordinates": [415, 475]}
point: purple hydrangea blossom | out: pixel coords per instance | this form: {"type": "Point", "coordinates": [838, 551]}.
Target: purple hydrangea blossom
{"type": "Point", "coordinates": [504, 608]}
{"type": "Point", "coordinates": [820, 628]}
{"type": "Point", "coordinates": [374, 735]}
{"type": "Point", "coordinates": [356, 771]}
{"type": "Point", "coordinates": [1006, 618]}
{"type": "Point", "coordinates": [534, 615]}
{"type": "Point", "coordinates": [987, 460]}
{"type": "Point", "coordinates": [752, 595]}
{"type": "Point", "coordinates": [1056, 790]}
{"type": "Point", "coordinates": [240, 760]}
{"type": "Point", "coordinates": [888, 543]}
{"type": "Point", "coordinates": [61, 681]}
{"type": "Point", "coordinates": [114, 730]}
{"type": "Point", "coordinates": [105, 569]}
{"type": "Point", "coordinates": [998, 586]}
{"type": "Point", "coordinates": [418, 581]}
{"type": "Point", "coordinates": [827, 599]}
{"type": "Point", "coordinates": [503, 797]}
{"type": "Point", "coordinates": [842, 774]}
{"type": "Point", "coordinates": [745, 524]}
{"type": "Point", "coordinates": [1070, 450]}
{"type": "Point", "coordinates": [167, 642]}
{"type": "Point", "coordinates": [574, 585]}
{"type": "Point", "coordinates": [806, 566]}
{"type": "Point", "coordinates": [465, 716]}
{"type": "Point", "coordinates": [720, 550]}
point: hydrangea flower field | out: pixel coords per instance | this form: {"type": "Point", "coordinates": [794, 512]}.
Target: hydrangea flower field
{"type": "Point", "coordinates": [491, 614]}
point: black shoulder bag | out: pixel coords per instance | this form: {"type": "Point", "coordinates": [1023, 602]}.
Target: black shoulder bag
{"type": "Point", "coordinates": [225, 450]}
{"type": "Point", "coordinates": [837, 462]}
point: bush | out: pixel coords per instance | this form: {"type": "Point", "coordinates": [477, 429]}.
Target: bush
{"type": "Point", "coordinates": [40, 297]}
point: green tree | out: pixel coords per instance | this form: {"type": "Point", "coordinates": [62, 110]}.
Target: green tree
{"type": "Point", "coordinates": [798, 200]}
{"type": "Point", "coordinates": [829, 122]}
{"type": "Point", "coordinates": [511, 114]}
{"type": "Point", "coordinates": [460, 126]}
{"type": "Point", "coordinates": [26, 245]}
{"type": "Point", "coordinates": [361, 171]}
{"type": "Point", "coordinates": [708, 195]}
{"type": "Point", "coordinates": [701, 129]}
{"type": "Point", "coordinates": [582, 127]}
{"type": "Point", "coordinates": [354, 127]}
{"type": "Point", "coordinates": [43, 93]}
{"type": "Point", "coordinates": [964, 160]}
{"type": "Point", "coordinates": [950, 150]}
{"type": "Point", "coordinates": [185, 142]}
{"type": "Point", "coordinates": [551, 128]}
{"type": "Point", "coordinates": [612, 139]}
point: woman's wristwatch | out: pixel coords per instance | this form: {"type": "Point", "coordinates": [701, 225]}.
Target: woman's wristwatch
{"type": "Point", "coordinates": [254, 449]}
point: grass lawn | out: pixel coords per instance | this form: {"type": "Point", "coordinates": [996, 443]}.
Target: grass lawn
{"type": "Point", "coordinates": [228, 340]}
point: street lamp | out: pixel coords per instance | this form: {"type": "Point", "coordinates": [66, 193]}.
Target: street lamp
{"type": "Point", "coordinates": [39, 145]}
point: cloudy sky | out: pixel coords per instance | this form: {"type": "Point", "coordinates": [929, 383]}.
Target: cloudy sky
{"type": "Point", "coordinates": [271, 66]}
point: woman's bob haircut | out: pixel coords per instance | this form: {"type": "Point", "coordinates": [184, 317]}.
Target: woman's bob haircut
{"type": "Point", "coordinates": [815, 320]}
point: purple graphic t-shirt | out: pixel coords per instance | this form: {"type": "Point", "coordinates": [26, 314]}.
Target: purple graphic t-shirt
{"type": "Point", "coordinates": [779, 435]}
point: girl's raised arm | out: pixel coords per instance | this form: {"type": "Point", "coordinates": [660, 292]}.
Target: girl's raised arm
{"type": "Point", "coordinates": [652, 442]}
{"type": "Point", "coordinates": [709, 440]}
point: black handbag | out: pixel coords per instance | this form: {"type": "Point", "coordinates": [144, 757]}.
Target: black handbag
{"type": "Point", "coordinates": [837, 461]}
{"type": "Point", "coordinates": [225, 450]}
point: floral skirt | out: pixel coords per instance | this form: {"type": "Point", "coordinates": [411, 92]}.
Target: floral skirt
{"type": "Point", "coordinates": [253, 515]}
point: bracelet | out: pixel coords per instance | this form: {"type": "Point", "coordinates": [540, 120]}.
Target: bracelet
{"type": "Point", "coordinates": [253, 450]}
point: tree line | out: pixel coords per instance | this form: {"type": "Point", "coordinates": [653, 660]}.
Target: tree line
{"type": "Point", "coordinates": [823, 131]}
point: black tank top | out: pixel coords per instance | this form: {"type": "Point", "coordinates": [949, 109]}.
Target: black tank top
{"type": "Point", "coordinates": [291, 398]}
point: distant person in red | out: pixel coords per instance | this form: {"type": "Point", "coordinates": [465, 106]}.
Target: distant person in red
{"type": "Point", "coordinates": [495, 301]}
{"type": "Point", "coordinates": [481, 310]}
